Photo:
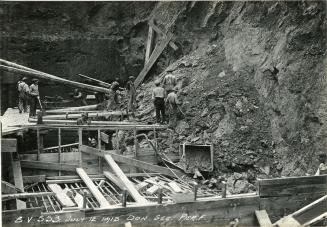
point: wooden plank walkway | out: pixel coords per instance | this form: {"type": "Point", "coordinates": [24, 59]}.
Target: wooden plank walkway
{"type": "Point", "coordinates": [12, 117]}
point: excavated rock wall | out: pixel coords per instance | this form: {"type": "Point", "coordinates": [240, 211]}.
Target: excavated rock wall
{"type": "Point", "coordinates": [253, 81]}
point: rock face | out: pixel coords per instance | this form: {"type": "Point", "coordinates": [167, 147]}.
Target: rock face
{"type": "Point", "coordinates": [252, 75]}
{"type": "Point", "coordinates": [254, 79]}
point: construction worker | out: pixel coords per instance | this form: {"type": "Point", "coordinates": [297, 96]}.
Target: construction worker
{"type": "Point", "coordinates": [158, 97]}
{"type": "Point", "coordinates": [172, 104]}
{"type": "Point", "coordinates": [322, 169]}
{"type": "Point", "coordinates": [35, 97]}
{"type": "Point", "coordinates": [79, 98]}
{"type": "Point", "coordinates": [131, 91]}
{"type": "Point", "coordinates": [84, 119]}
{"type": "Point", "coordinates": [169, 81]}
{"type": "Point", "coordinates": [115, 87]}
{"type": "Point", "coordinates": [23, 95]}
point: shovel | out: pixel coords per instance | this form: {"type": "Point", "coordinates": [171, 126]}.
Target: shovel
{"type": "Point", "coordinates": [43, 110]}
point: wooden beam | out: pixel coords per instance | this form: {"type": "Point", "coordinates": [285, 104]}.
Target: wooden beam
{"type": "Point", "coordinates": [8, 145]}
{"type": "Point", "coordinates": [33, 179]}
{"type": "Point", "coordinates": [149, 44]}
{"type": "Point", "coordinates": [160, 46]}
{"type": "Point", "coordinates": [7, 188]}
{"type": "Point", "coordinates": [25, 195]}
{"type": "Point", "coordinates": [47, 165]}
{"type": "Point", "coordinates": [93, 189]}
{"type": "Point", "coordinates": [133, 162]}
{"type": "Point", "coordinates": [16, 68]}
{"type": "Point", "coordinates": [74, 116]}
{"type": "Point", "coordinates": [263, 218]}
{"type": "Point", "coordinates": [62, 197]}
{"type": "Point", "coordinates": [114, 179]}
{"type": "Point", "coordinates": [18, 180]}
{"type": "Point", "coordinates": [99, 82]}
{"type": "Point", "coordinates": [129, 185]}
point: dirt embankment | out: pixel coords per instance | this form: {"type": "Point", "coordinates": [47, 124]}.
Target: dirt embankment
{"type": "Point", "coordinates": [253, 82]}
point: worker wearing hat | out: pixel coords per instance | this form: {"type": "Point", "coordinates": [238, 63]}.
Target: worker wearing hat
{"type": "Point", "coordinates": [322, 169]}
{"type": "Point", "coordinates": [35, 96]}
{"type": "Point", "coordinates": [84, 119]}
{"type": "Point", "coordinates": [131, 93]}
{"type": "Point", "coordinates": [158, 97]}
{"type": "Point", "coordinates": [172, 104]}
{"type": "Point", "coordinates": [23, 95]}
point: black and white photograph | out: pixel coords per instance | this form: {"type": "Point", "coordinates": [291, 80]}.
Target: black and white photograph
{"type": "Point", "coordinates": [163, 113]}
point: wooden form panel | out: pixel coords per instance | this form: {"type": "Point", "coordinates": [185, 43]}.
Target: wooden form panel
{"type": "Point", "coordinates": [292, 186]}
{"type": "Point", "coordinates": [220, 212]}
{"type": "Point", "coordinates": [8, 145]}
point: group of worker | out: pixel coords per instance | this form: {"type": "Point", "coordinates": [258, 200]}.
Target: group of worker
{"type": "Point", "coordinates": [165, 95]}
{"type": "Point", "coordinates": [28, 95]}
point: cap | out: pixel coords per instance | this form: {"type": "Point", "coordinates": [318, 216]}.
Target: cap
{"type": "Point", "coordinates": [131, 77]}
{"type": "Point", "coordinates": [24, 78]}
{"type": "Point", "coordinates": [35, 80]}
{"type": "Point", "coordinates": [157, 82]}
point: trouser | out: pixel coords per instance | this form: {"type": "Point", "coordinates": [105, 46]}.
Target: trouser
{"type": "Point", "coordinates": [173, 117]}
{"type": "Point", "coordinates": [33, 105]}
{"type": "Point", "coordinates": [131, 105]}
{"type": "Point", "coordinates": [116, 97]}
{"type": "Point", "coordinates": [22, 104]}
{"type": "Point", "coordinates": [159, 104]}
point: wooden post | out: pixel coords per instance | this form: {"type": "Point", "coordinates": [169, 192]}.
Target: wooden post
{"type": "Point", "coordinates": [124, 197]}
{"type": "Point", "coordinates": [224, 188]}
{"type": "Point", "coordinates": [84, 198]}
{"type": "Point", "coordinates": [99, 147]}
{"type": "Point", "coordinates": [38, 143]}
{"type": "Point", "coordinates": [149, 44]}
{"type": "Point", "coordinates": [195, 189]}
{"type": "Point", "coordinates": [80, 143]}
{"type": "Point", "coordinates": [59, 147]}
{"type": "Point", "coordinates": [160, 196]}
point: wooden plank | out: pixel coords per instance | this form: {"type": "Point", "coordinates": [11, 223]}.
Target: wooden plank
{"type": "Point", "coordinates": [104, 137]}
{"type": "Point", "coordinates": [93, 189]}
{"type": "Point", "coordinates": [132, 162]}
{"type": "Point", "coordinates": [292, 186]}
{"type": "Point", "coordinates": [25, 195]}
{"type": "Point", "coordinates": [33, 179]}
{"type": "Point", "coordinates": [67, 157]}
{"type": "Point", "coordinates": [278, 207]}
{"type": "Point", "coordinates": [129, 185]}
{"type": "Point", "coordinates": [149, 44]}
{"type": "Point", "coordinates": [7, 188]}
{"type": "Point", "coordinates": [74, 116]}
{"type": "Point", "coordinates": [8, 145]}
{"type": "Point", "coordinates": [18, 180]}
{"type": "Point", "coordinates": [153, 58]}
{"type": "Point", "coordinates": [114, 179]}
{"type": "Point", "coordinates": [47, 165]}
{"type": "Point", "coordinates": [263, 218]}
{"type": "Point", "coordinates": [62, 197]}
{"type": "Point", "coordinates": [311, 211]}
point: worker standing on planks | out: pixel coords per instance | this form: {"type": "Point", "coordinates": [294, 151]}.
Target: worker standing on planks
{"type": "Point", "coordinates": [158, 97]}
{"type": "Point", "coordinates": [23, 95]}
{"type": "Point", "coordinates": [172, 104]}
{"type": "Point", "coordinates": [322, 169]}
{"type": "Point", "coordinates": [169, 81]}
{"type": "Point", "coordinates": [131, 91]}
{"type": "Point", "coordinates": [79, 98]}
{"type": "Point", "coordinates": [114, 88]}
{"type": "Point", "coordinates": [35, 96]}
